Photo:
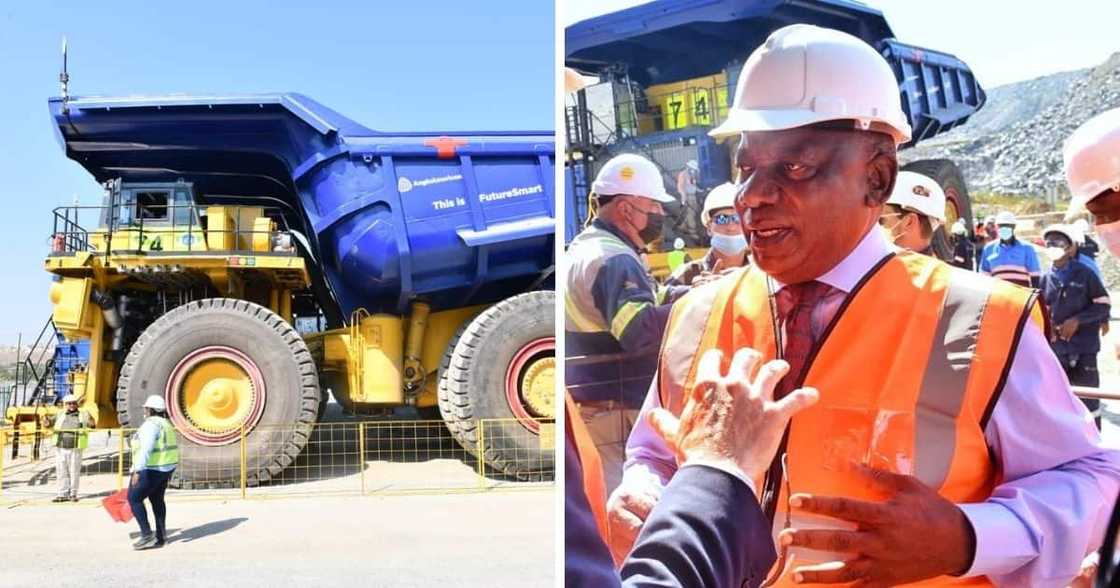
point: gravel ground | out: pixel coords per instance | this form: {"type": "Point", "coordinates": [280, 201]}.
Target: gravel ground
{"type": "Point", "coordinates": [492, 539]}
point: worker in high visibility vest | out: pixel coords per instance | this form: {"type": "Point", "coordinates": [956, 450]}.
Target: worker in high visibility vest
{"type": "Point", "coordinates": [71, 436]}
{"type": "Point", "coordinates": [614, 312]}
{"type": "Point", "coordinates": [155, 453]}
{"type": "Point", "coordinates": [947, 447]}
{"type": "Point", "coordinates": [678, 256]}
{"type": "Point", "coordinates": [729, 248]}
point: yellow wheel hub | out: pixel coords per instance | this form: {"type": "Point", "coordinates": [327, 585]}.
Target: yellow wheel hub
{"type": "Point", "coordinates": [217, 395]}
{"type": "Point", "coordinates": [538, 387]}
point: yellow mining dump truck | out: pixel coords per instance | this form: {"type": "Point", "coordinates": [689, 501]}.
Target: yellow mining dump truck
{"type": "Point", "coordinates": [253, 253]}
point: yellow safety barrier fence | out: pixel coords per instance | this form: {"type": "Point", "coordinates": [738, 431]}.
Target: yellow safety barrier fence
{"type": "Point", "coordinates": [338, 458]}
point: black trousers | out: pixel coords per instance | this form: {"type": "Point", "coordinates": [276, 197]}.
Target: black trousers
{"type": "Point", "coordinates": [151, 486]}
{"type": "Point", "coordinates": [1082, 371]}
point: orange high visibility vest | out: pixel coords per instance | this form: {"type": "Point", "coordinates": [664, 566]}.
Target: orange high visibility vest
{"type": "Point", "coordinates": [593, 485]}
{"type": "Point", "coordinates": [908, 372]}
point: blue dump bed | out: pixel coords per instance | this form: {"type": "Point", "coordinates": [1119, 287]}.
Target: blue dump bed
{"type": "Point", "coordinates": [455, 218]}
{"type": "Point", "coordinates": [672, 40]}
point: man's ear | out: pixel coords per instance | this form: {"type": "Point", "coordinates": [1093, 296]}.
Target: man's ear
{"type": "Point", "coordinates": [882, 171]}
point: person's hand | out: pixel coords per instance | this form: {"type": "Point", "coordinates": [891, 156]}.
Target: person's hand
{"type": "Point", "coordinates": [1068, 328]}
{"type": "Point", "coordinates": [732, 420]}
{"type": "Point", "coordinates": [914, 535]}
{"type": "Point", "coordinates": [627, 509]}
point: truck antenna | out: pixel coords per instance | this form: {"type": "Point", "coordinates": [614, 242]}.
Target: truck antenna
{"type": "Point", "coordinates": [64, 79]}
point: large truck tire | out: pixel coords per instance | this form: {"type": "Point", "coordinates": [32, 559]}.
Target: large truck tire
{"type": "Point", "coordinates": [500, 370]}
{"type": "Point", "coordinates": [958, 204]}
{"type": "Point", "coordinates": [222, 364]}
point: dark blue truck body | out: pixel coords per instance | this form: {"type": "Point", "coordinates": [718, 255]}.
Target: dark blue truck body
{"type": "Point", "coordinates": [457, 218]}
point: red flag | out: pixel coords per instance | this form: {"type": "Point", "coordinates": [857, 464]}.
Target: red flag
{"type": "Point", "coordinates": [116, 504]}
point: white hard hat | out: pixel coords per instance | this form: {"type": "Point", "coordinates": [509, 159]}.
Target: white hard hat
{"type": "Point", "coordinates": [1067, 230]}
{"type": "Point", "coordinates": [678, 243]}
{"type": "Point", "coordinates": [1092, 157]}
{"type": "Point", "coordinates": [804, 74]}
{"type": "Point", "coordinates": [959, 229]}
{"type": "Point", "coordinates": [1081, 225]}
{"type": "Point", "coordinates": [155, 402]}
{"type": "Point", "coordinates": [990, 220]}
{"type": "Point", "coordinates": [1006, 217]}
{"type": "Point", "coordinates": [69, 398]}
{"type": "Point", "coordinates": [693, 165]}
{"type": "Point", "coordinates": [722, 196]}
{"type": "Point", "coordinates": [631, 174]}
{"type": "Point", "coordinates": [919, 193]}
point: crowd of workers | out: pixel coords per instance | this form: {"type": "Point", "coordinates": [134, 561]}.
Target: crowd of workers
{"type": "Point", "coordinates": [819, 399]}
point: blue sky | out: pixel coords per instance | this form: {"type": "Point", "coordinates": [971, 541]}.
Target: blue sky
{"type": "Point", "coordinates": [1003, 41]}
{"type": "Point", "coordinates": [423, 65]}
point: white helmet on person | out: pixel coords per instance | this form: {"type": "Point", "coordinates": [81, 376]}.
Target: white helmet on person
{"type": "Point", "coordinates": [1068, 231]}
{"type": "Point", "coordinates": [1092, 157]}
{"type": "Point", "coordinates": [804, 74]}
{"type": "Point", "coordinates": [959, 229]}
{"type": "Point", "coordinates": [722, 196]}
{"type": "Point", "coordinates": [155, 402]}
{"type": "Point", "coordinates": [678, 243]}
{"type": "Point", "coordinates": [921, 194]}
{"type": "Point", "coordinates": [633, 175]}
{"type": "Point", "coordinates": [1006, 217]}
{"type": "Point", "coordinates": [69, 398]}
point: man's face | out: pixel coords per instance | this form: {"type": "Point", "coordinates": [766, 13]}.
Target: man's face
{"type": "Point", "coordinates": [1105, 208]}
{"type": "Point", "coordinates": [1060, 241]}
{"type": "Point", "coordinates": [71, 406]}
{"type": "Point", "coordinates": [636, 211]}
{"type": "Point", "coordinates": [807, 196]}
{"type": "Point", "coordinates": [724, 221]}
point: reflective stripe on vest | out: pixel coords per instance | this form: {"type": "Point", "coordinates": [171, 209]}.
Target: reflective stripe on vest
{"type": "Point", "coordinates": [942, 344]}
{"type": "Point", "coordinates": [593, 485]}
{"type": "Point", "coordinates": [165, 451]}
{"type": "Point", "coordinates": [68, 426]}
{"type": "Point", "coordinates": [675, 259]}
{"type": "Point", "coordinates": [588, 252]}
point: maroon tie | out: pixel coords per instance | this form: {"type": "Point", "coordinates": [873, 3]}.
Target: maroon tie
{"type": "Point", "coordinates": [795, 307]}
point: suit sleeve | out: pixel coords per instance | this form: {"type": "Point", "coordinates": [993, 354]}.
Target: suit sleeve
{"type": "Point", "coordinates": [707, 530]}
{"type": "Point", "coordinates": [624, 294]}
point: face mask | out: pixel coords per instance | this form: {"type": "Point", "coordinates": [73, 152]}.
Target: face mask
{"type": "Point", "coordinates": [1055, 253]}
{"type": "Point", "coordinates": [1110, 237]}
{"type": "Point", "coordinates": [1006, 233]}
{"type": "Point", "coordinates": [729, 244]}
{"type": "Point", "coordinates": [652, 231]}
